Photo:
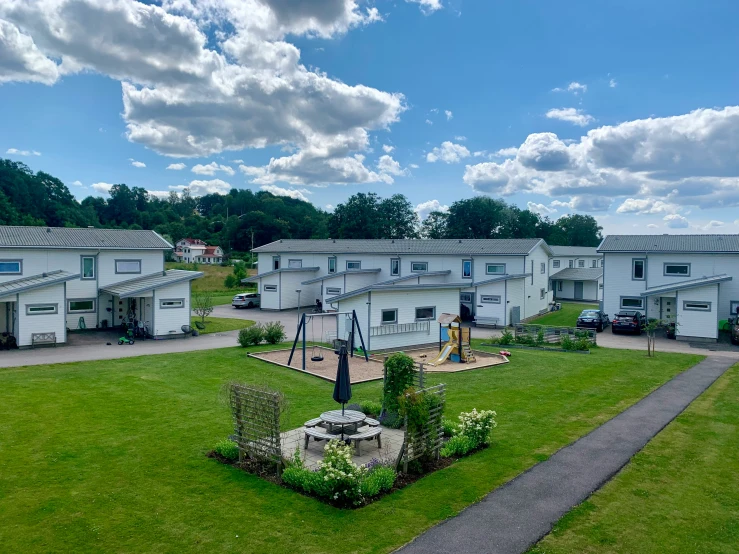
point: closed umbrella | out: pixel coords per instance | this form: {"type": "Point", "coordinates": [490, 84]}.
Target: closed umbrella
{"type": "Point", "coordinates": [343, 385]}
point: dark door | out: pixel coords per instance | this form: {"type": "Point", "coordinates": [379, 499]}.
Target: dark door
{"type": "Point", "coordinates": [578, 290]}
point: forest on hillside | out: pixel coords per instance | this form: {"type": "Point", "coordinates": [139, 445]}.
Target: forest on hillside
{"type": "Point", "coordinates": [243, 218]}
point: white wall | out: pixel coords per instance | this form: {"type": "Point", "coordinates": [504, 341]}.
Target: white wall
{"type": "Point", "coordinates": [695, 323]}
{"type": "Point", "coordinates": [617, 281]}
{"type": "Point", "coordinates": [46, 323]}
{"type": "Point", "coordinates": [486, 310]}
{"type": "Point", "coordinates": [270, 300]}
{"type": "Point", "coordinates": [515, 289]}
{"type": "Point", "coordinates": [169, 321]}
{"type": "Point", "coordinates": [564, 262]}
{"type": "Point", "coordinates": [534, 303]}
{"type": "Point", "coordinates": [590, 290]}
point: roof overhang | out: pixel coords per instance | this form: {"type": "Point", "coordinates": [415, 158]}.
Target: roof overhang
{"type": "Point", "coordinates": [692, 284]}
{"type": "Point", "coordinates": [339, 274]}
{"type": "Point", "coordinates": [500, 279]}
{"type": "Point", "coordinates": [255, 278]}
{"type": "Point", "coordinates": [11, 288]}
{"type": "Point", "coordinates": [396, 288]}
{"type": "Point", "coordinates": [578, 274]}
{"type": "Point", "coordinates": [140, 285]}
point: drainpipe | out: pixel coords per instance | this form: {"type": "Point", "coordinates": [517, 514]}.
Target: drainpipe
{"type": "Point", "coordinates": [369, 320]}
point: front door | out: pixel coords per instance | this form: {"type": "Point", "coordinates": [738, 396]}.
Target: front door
{"type": "Point", "coordinates": [666, 309]}
{"type": "Point", "coordinates": [578, 290]}
{"type": "Point", "coordinates": [467, 305]}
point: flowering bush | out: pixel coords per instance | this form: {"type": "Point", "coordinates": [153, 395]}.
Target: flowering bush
{"type": "Point", "coordinates": [341, 476]}
{"type": "Point", "coordinates": [477, 426]}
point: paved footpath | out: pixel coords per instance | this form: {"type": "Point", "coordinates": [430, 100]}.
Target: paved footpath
{"type": "Point", "coordinates": [511, 519]}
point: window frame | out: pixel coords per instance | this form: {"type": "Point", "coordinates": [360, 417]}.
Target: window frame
{"type": "Point", "coordinates": [708, 308]}
{"type": "Point", "coordinates": [290, 263]}
{"type": "Point", "coordinates": [594, 264]}
{"type": "Point", "coordinates": [333, 290]}
{"type": "Point", "coordinates": [85, 311]}
{"type": "Point", "coordinates": [12, 261]}
{"type": "Point", "coordinates": [466, 263]}
{"type": "Point", "coordinates": [53, 311]}
{"type": "Point", "coordinates": [542, 268]}
{"type": "Point", "coordinates": [394, 261]}
{"type": "Point", "coordinates": [276, 263]}
{"type": "Point", "coordinates": [84, 257]}
{"type": "Point", "coordinates": [117, 272]}
{"type": "Point", "coordinates": [273, 288]}
{"type": "Point", "coordinates": [492, 298]}
{"type": "Point", "coordinates": [471, 298]}
{"type": "Point", "coordinates": [571, 264]}
{"type": "Point", "coordinates": [666, 274]}
{"type": "Point", "coordinates": [555, 264]}
{"type": "Point", "coordinates": [542, 294]}
{"type": "Point", "coordinates": [358, 262]}
{"type": "Point", "coordinates": [487, 268]}
{"type": "Point", "coordinates": [580, 264]}
{"type": "Point", "coordinates": [641, 299]}
{"type": "Point", "coordinates": [643, 269]}
{"type": "Point", "coordinates": [433, 313]}
{"type": "Point", "coordinates": [335, 264]}
{"type": "Point", "coordinates": [162, 301]}
{"type": "Point", "coordinates": [559, 286]}
{"type": "Point", "coordinates": [389, 310]}
{"type": "Point", "coordinates": [425, 270]}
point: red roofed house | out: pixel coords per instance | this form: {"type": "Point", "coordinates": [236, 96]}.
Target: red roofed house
{"type": "Point", "coordinates": [196, 251]}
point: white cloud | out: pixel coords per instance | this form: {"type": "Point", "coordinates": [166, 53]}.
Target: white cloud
{"type": "Point", "coordinates": [736, 222]}
{"type": "Point", "coordinates": [542, 209]}
{"type": "Point", "coordinates": [448, 114]}
{"type": "Point", "coordinates": [507, 152]}
{"type": "Point", "coordinates": [425, 208]}
{"type": "Point", "coordinates": [177, 167]}
{"type": "Point", "coordinates": [460, 138]}
{"type": "Point", "coordinates": [571, 115]}
{"type": "Point", "coordinates": [646, 206]}
{"type": "Point", "coordinates": [101, 188]}
{"type": "Point", "coordinates": [449, 152]}
{"type": "Point", "coordinates": [211, 169]}
{"type": "Point", "coordinates": [161, 194]}
{"type": "Point", "coordinates": [77, 183]}
{"type": "Point", "coordinates": [427, 6]}
{"type": "Point", "coordinates": [429, 122]}
{"type": "Point", "coordinates": [17, 152]}
{"type": "Point", "coordinates": [201, 188]}
{"type": "Point", "coordinates": [21, 60]}
{"type": "Point", "coordinates": [387, 148]}
{"type": "Point", "coordinates": [574, 87]}
{"type": "Point", "coordinates": [237, 161]}
{"type": "Point", "coordinates": [413, 166]}
{"type": "Point", "coordinates": [653, 226]}
{"type": "Point", "coordinates": [675, 221]}
{"type": "Point", "coordinates": [329, 207]}
{"type": "Point", "coordinates": [136, 163]}
{"type": "Point", "coordinates": [713, 224]}
{"type": "Point", "coordinates": [560, 204]}
{"type": "Point", "coordinates": [290, 193]}
{"type": "Point", "coordinates": [240, 86]}
{"type": "Point", "coordinates": [388, 166]}
{"type": "Point", "coordinates": [612, 83]}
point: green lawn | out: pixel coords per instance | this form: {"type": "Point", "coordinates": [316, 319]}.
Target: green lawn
{"type": "Point", "coordinates": [566, 317]}
{"type": "Point", "coordinates": [110, 456]}
{"type": "Point", "coordinates": [679, 494]}
{"type": "Point", "coordinates": [221, 324]}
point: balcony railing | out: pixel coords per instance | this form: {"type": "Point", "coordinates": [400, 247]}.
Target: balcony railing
{"type": "Point", "coordinates": [394, 328]}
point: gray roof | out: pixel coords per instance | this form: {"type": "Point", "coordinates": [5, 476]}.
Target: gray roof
{"type": "Point", "coordinates": [490, 247]}
{"type": "Point", "coordinates": [574, 250]}
{"type": "Point", "coordinates": [9, 288]}
{"type": "Point", "coordinates": [139, 285]}
{"type": "Point", "coordinates": [410, 276]}
{"type": "Point", "coordinates": [670, 243]}
{"type": "Point", "coordinates": [68, 237]}
{"type": "Point", "coordinates": [691, 284]}
{"type": "Point", "coordinates": [578, 274]}
{"type": "Point", "coordinates": [339, 274]}
{"type": "Point", "coordinates": [377, 287]}
{"type": "Point", "coordinates": [255, 278]}
{"type": "Point", "coordinates": [499, 278]}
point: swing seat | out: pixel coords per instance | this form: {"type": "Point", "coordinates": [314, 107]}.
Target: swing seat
{"type": "Point", "coordinates": [316, 358]}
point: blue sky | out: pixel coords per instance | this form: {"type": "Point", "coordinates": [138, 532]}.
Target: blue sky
{"type": "Point", "coordinates": [625, 111]}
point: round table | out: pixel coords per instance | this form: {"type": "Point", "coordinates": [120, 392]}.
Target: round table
{"type": "Point", "coordinates": [348, 418]}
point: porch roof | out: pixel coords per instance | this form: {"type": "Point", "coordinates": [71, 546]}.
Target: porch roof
{"type": "Point", "coordinates": [9, 288]}
{"type": "Point", "coordinates": [139, 285]}
{"type": "Point", "coordinates": [396, 288]}
{"type": "Point", "coordinates": [693, 283]}
{"type": "Point", "coordinates": [500, 278]}
{"type": "Point", "coordinates": [339, 274]}
{"type": "Point", "coordinates": [578, 274]}
{"type": "Point", "coordinates": [255, 278]}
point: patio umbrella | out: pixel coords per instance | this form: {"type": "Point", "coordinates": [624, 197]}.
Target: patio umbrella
{"type": "Point", "coordinates": [343, 385]}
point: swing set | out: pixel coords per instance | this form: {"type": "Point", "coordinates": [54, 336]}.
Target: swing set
{"type": "Point", "coordinates": [316, 351]}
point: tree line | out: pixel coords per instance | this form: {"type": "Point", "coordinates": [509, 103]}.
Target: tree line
{"type": "Point", "coordinates": [243, 218]}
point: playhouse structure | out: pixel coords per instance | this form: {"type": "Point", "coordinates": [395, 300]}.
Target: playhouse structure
{"type": "Point", "coordinates": [454, 341]}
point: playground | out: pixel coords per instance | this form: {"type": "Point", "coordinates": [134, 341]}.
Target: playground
{"type": "Point", "coordinates": [360, 370]}
{"type": "Point", "coordinates": [426, 355]}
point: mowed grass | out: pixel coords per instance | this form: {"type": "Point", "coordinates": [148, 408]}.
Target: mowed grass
{"type": "Point", "coordinates": [679, 494]}
{"type": "Point", "coordinates": [212, 279]}
{"type": "Point", "coordinates": [110, 456]}
{"type": "Point", "coordinates": [565, 317]}
{"type": "Point", "coordinates": [220, 324]}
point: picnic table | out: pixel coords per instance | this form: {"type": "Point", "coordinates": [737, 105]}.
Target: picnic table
{"type": "Point", "coordinates": [350, 418]}
{"type": "Point", "coordinates": [348, 427]}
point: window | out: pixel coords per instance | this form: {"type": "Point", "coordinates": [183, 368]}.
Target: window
{"type": "Point", "coordinates": [389, 317]}
{"type": "Point", "coordinates": [128, 266]}
{"type": "Point", "coordinates": [594, 263]}
{"type": "Point", "coordinates": [167, 303]}
{"type": "Point", "coordinates": [490, 299]}
{"type": "Point", "coordinates": [353, 265]}
{"type": "Point", "coordinates": [543, 268]}
{"type": "Point", "coordinates": [495, 269]}
{"type": "Point", "coordinates": [572, 263]}
{"type": "Point", "coordinates": [602, 262]}
{"type": "Point", "coordinates": [637, 270]}
{"type": "Point", "coordinates": [275, 262]}
{"type": "Point", "coordinates": [632, 302]}
{"type": "Point", "coordinates": [419, 267]}
{"type": "Point", "coordinates": [734, 307]}
{"type": "Point", "coordinates": [559, 286]}
{"type": "Point", "coordinates": [542, 294]}
{"type": "Point", "coordinates": [555, 264]}
{"type": "Point", "coordinates": [333, 290]}
{"type": "Point", "coordinates": [465, 297]}
{"type": "Point", "coordinates": [466, 269]}
{"type": "Point", "coordinates": [269, 288]}
{"type": "Point", "coordinates": [426, 313]}
{"type": "Point", "coordinates": [11, 267]}
{"type": "Point", "coordinates": [332, 264]}
{"type": "Point", "coordinates": [395, 266]}
{"type": "Point", "coordinates": [696, 306]}
{"type": "Point", "coordinates": [677, 270]}
{"type": "Point", "coordinates": [41, 309]}
{"type": "Point", "coordinates": [580, 263]}
{"type": "Point", "coordinates": [87, 270]}
{"type": "Point", "coordinates": [80, 306]}
{"type": "Point", "coordinates": [295, 263]}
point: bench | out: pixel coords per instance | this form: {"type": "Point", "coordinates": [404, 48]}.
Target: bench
{"type": "Point", "coordinates": [43, 338]}
{"type": "Point", "coordinates": [487, 322]}
{"type": "Point", "coordinates": [366, 435]}
{"type": "Point", "coordinates": [315, 422]}
{"type": "Point", "coordinates": [371, 422]}
{"type": "Point", "coordinates": [317, 435]}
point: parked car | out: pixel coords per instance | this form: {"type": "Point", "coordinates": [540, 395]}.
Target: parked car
{"type": "Point", "coordinates": [628, 322]}
{"type": "Point", "coordinates": [246, 300]}
{"type": "Point", "coordinates": [592, 319]}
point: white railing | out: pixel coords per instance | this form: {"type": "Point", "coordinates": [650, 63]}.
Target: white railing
{"type": "Point", "coordinates": [394, 328]}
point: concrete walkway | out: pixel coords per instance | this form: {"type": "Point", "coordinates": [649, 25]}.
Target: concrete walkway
{"type": "Point", "coordinates": [515, 516]}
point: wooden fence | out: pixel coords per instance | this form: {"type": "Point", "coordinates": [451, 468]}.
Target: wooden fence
{"type": "Point", "coordinates": [256, 415]}
{"type": "Point", "coordinates": [429, 439]}
{"type": "Point", "coordinates": [553, 334]}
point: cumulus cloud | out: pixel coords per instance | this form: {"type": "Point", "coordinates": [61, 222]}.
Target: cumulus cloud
{"type": "Point", "coordinates": [290, 193]}
{"type": "Point", "coordinates": [448, 152]}
{"type": "Point", "coordinates": [429, 122]}
{"type": "Point", "coordinates": [241, 86]}
{"type": "Point", "coordinates": [160, 194]}
{"type": "Point", "coordinates": [413, 166]}
{"type": "Point", "coordinates": [713, 224]}
{"type": "Point", "coordinates": [16, 152]}
{"type": "Point", "coordinates": [21, 60]}
{"type": "Point", "coordinates": [177, 166]}
{"type": "Point", "coordinates": [427, 6]}
{"type": "Point", "coordinates": [542, 209]}
{"type": "Point", "coordinates": [201, 188]}
{"type": "Point", "coordinates": [646, 206]}
{"type": "Point", "coordinates": [388, 166]}
{"type": "Point", "coordinates": [652, 226]}
{"type": "Point", "coordinates": [136, 163]}
{"type": "Point", "coordinates": [425, 208]}
{"type": "Point", "coordinates": [676, 221]}
{"type": "Point", "coordinates": [612, 83]}
{"type": "Point", "coordinates": [574, 87]}
{"type": "Point", "coordinates": [77, 183]}
{"type": "Point", "coordinates": [448, 114]}
{"type": "Point", "coordinates": [211, 169]}
{"type": "Point", "coordinates": [102, 188]}
{"type": "Point", "coordinates": [387, 148]}
{"type": "Point", "coordinates": [570, 115]}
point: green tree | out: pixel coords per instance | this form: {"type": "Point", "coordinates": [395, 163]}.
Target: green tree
{"type": "Point", "coordinates": [580, 230]}
{"type": "Point", "coordinates": [434, 226]}
{"type": "Point", "coordinates": [476, 218]}
{"type": "Point", "coordinates": [397, 218]}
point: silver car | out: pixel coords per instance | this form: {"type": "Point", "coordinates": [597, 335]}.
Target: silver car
{"type": "Point", "coordinates": [246, 300]}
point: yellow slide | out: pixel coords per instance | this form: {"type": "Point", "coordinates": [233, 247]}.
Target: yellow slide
{"type": "Point", "coordinates": [444, 354]}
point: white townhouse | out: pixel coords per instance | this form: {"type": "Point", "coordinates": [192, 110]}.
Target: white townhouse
{"type": "Point", "coordinates": [398, 288]}
{"type": "Point", "coordinates": [576, 273]}
{"type": "Point", "coordinates": [196, 251]}
{"type": "Point", "coordinates": [687, 279]}
{"type": "Point", "coordinates": [53, 279]}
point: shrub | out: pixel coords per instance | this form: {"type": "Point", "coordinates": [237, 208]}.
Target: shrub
{"type": "Point", "coordinates": [506, 337]}
{"type": "Point", "coordinates": [458, 445]}
{"type": "Point", "coordinates": [227, 449]}
{"type": "Point", "coordinates": [274, 332]}
{"type": "Point", "coordinates": [583, 343]}
{"type": "Point", "coordinates": [540, 337]}
{"type": "Point", "coordinates": [494, 340]}
{"type": "Point", "coordinates": [378, 479]}
{"type": "Point", "coordinates": [341, 476]}
{"type": "Point", "coordinates": [525, 339]}
{"type": "Point", "coordinates": [567, 343]}
{"type": "Point", "coordinates": [400, 371]}
{"type": "Point", "coordinates": [370, 407]}
{"type": "Point", "coordinates": [477, 426]}
{"type": "Point", "coordinates": [449, 426]}
{"type": "Point", "coordinates": [251, 336]}
{"type": "Point", "coordinates": [391, 420]}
